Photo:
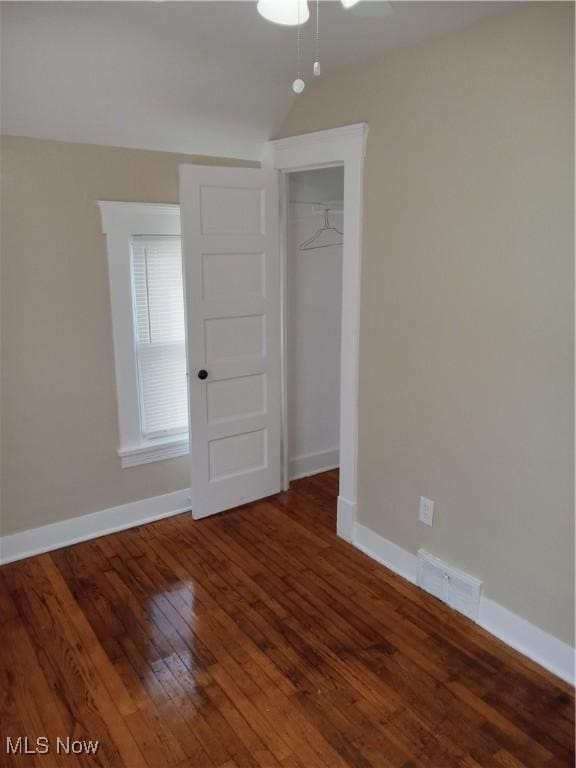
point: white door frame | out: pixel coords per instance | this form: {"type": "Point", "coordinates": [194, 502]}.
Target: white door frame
{"type": "Point", "coordinates": [338, 146]}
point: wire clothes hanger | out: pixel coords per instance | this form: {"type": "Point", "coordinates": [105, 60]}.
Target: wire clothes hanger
{"type": "Point", "coordinates": [312, 243]}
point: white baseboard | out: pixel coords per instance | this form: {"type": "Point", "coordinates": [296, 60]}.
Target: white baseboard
{"type": "Point", "coordinates": [312, 463]}
{"type": "Point", "coordinates": [400, 561]}
{"type": "Point", "coordinates": [531, 641]}
{"type": "Point", "coordinates": [345, 519]}
{"type": "Point", "coordinates": [46, 538]}
{"type": "Point", "coordinates": [528, 639]}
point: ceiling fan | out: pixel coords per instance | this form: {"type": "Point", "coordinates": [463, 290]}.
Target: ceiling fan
{"type": "Point", "coordinates": [295, 13]}
{"type": "Point", "coordinates": [291, 13]}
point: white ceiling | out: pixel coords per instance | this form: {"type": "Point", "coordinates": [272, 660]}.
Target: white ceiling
{"type": "Point", "coordinates": [206, 77]}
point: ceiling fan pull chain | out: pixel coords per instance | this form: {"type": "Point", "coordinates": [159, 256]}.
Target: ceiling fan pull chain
{"type": "Point", "coordinates": [317, 56]}
{"type": "Point", "coordinates": [298, 85]}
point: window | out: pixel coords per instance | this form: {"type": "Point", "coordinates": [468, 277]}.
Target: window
{"type": "Point", "coordinates": [159, 330]}
{"type": "Point", "coordinates": [145, 269]}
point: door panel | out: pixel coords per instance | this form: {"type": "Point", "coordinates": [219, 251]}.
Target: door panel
{"type": "Point", "coordinates": [233, 274]}
{"type": "Point", "coordinates": [231, 210]}
{"type": "Point", "coordinates": [234, 455]}
{"type": "Point", "coordinates": [231, 256]}
{"type": "Point", "coordinates": [235, 337]}
{"type": "Point", "coordinates": [233, 398]}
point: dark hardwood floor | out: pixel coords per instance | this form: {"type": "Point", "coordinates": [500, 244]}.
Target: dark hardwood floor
{"type": "Point", "coordinates": [257, 639]}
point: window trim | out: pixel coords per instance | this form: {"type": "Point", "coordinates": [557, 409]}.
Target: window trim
{"type": "Point", "coordinates": [120, 222]}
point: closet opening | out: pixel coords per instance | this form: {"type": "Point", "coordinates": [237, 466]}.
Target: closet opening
{"type": "Point", "coordinates": [313, 255]}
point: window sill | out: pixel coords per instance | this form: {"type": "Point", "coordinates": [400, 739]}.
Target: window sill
{"type": "Point", "coordinates": [154, 450]}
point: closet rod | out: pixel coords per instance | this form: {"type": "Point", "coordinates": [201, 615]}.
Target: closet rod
{"type": "Point", "coordinates": [317, 202]}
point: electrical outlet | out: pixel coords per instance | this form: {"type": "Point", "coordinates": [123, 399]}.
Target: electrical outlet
{"type": "Point", "coordinates": [426, 511]}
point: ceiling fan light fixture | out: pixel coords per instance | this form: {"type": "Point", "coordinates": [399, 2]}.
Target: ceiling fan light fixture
{"type": "Point", "coordinates": [289, 13]}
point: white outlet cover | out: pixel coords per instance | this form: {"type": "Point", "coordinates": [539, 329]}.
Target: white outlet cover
{"type": "Point", "coordinates": [426, 511]}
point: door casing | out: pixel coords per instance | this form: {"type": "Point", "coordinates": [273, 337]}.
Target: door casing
{"type": "Point", "coordinates": [342, 147]}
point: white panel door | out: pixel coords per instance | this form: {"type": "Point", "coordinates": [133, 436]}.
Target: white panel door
{"type": "Point", "coordinates": [230, 246]}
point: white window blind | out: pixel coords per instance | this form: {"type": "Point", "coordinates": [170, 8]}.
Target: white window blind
{"type": "Point", "coordinates": [159, 330]}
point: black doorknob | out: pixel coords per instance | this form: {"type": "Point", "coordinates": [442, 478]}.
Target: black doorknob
{"type": "Point", "coordinates": [202, 374]}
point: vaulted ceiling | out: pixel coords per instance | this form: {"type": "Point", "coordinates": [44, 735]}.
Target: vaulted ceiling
{"type": "Point", "coordinates": [199, 77]}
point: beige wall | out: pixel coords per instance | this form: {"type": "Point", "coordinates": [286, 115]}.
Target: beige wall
{"type": "Point", "coordinates": [466, 392]}
{"type": "Point", "coordinates": [59, 430]}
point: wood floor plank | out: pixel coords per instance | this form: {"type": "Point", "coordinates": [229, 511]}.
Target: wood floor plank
{"type": "Point", "coordinates": [75, 677]}
{"type": "Point", "coordinates": [258, 639]}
